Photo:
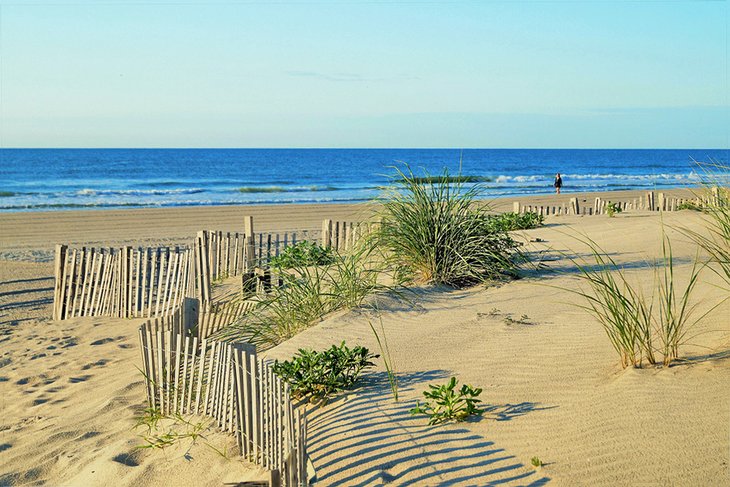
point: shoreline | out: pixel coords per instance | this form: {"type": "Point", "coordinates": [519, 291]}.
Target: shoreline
{"type": "Point", "coordinates": [33, 235]}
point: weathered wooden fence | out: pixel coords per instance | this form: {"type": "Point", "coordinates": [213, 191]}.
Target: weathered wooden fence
{"type": "Point", "coordinates": [229, 383]}
{"type": "Point", "coordinates": [341, 235]}
{"type": "Point", "coordinates": [233, 254]}
{"type": "Point", "coordinates": [226, 253]}
{"type": "Point", "coordinates": [123, 282]}
{"type": "Point", "coordinates": [649, 202]}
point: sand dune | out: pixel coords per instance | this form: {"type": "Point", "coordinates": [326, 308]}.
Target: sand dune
{"type": "Point", "coordinates": [553, 388]}
{"type": "Point", "coordinates": [552, 385]}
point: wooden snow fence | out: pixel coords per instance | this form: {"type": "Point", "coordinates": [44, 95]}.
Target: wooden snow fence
{"type": "Point", "coordinates": [230, 384]}
{"type": "Point", "coordinates": [121, 282]}
{"type": "Point", "coordinates": [268, 245]}
{"type": "Point", "coordinates": [226, 253]}
{"type": "Point", "coordinates": [342, 235]}
{"type": "Point", "coordinates": [650, 202]}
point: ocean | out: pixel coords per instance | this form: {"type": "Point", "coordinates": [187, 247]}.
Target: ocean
{"type": "Point", "coordinates": [58, 179]}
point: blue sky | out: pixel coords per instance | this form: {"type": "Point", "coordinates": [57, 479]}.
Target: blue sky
{"type": "Point", "coordinates": [364, 74]}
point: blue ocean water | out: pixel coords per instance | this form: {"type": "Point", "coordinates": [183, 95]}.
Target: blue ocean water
{"type": "Point", "coordinates": [45, 179]}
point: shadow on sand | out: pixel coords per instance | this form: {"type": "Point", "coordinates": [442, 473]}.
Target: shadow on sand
{"type": "Point", "coordinates": [366, 438]}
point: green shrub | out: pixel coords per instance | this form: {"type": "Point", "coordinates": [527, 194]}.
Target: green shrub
{"type": "Point", "coordinates": [612, 209]}
{"type": "Point", "coordinates": [507, 222]}
{"type": "Point", "coordinates": [536, 462]}
{"type": "Point", "coordinates": [318, 375]}
{"type": "Point", "coordinates": [689, 205]}
{"type": "Point", "coordinates": [432, 231]}
{"type": "Point", "coordinates": [446, 403]}
{"type": "Point", "coordinates": [303, 254]}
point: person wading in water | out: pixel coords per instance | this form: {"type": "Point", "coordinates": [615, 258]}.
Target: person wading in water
{"type": "Point", "coordinates": [558, 183]}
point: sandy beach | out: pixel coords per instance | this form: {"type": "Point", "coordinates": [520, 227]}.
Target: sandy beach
{"type": "Point", "coordinates": [553, 387]}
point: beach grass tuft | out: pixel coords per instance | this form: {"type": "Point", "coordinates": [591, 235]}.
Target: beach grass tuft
{"type": "Point", "coordinates": [432, 230]}
{"type": "Point", "coordinates": [633, 321]}
{"type": "Point", "coordinates": [307, 294]}
{"type": "Point", "coordinates": [716, 238]}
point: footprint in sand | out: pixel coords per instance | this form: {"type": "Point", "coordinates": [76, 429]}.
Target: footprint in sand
{"type": "Point", "coordinates": [76, 380]}
{"type": "Point", "coordinates": [98, 363]}
{"type": "Point", "coordinates": [128, 459]}
{"type": "Point", "coordinates": [102, 341]}
{"type": "Point", "coordinates": [5, 446]}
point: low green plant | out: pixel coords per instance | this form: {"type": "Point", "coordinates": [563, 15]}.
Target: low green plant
{"type": "Point", "coordinates": [523, 320]}
{"type": "Point", "coordinates": [612, 209]}
{"type": "Point", "coordinates": [319, 375]}
{"type": "Point", "coordinates": [507, 222]}
{"type": "Point", "coordinates": [434, 231]}
{"type": "Point", "coordinates": [689, 205]}
{"type": "Point", "coordinates": [536, 462]}
{"type": "Point", "coordinates": [302, 254]}
{"type": "Point", "coordinates": [447, 403]}
{"type": "Point", "coordinates": [165, 430]}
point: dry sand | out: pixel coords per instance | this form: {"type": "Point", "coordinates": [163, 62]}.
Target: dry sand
{"type": "Point", "coordinates": [552, 388]}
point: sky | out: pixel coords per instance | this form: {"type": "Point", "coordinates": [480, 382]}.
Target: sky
{"type": "Point", "coordinates": [481, 74]}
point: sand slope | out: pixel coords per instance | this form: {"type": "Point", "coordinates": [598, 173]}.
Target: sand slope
{"type": "Point", "coordinates": [553, 388]}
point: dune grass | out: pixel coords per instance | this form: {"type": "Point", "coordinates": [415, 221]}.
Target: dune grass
{"type": "Point", "coordinates": [307, 294]}
{"type": "Point", "coordinates": [716, 238]}
{"type": "Point", "coordinates": [640, 327]}
{"type": "Point", "coordinates": [432, 231]}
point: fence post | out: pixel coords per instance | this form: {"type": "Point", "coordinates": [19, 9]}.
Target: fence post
{"type": "Point", "coordinates": [716, 199]}
{"type": "Point", "coordinates": [326, 233]}
{"type": "Point", "coordinates": [516, 207]}
{"type": "Point", "coordinates": [574, 206]}
{"type": "Point", "coordinates": [650, 200]}
{"type": "Point", "coordinates": [201, 249]}
{"type": "Point", "coordinates": [248, 277]}
{"type": "Point", "coordinates": [274, 478]}
{"type": "Point", "coordinates": [58, 266]}
{"type": "Point", "coordinates": [190, 310]}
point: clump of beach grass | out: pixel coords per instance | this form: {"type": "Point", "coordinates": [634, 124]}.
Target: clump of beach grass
{"type": "Point", "coordinates": [307, 293]}
{"type": "Point", "coordinates": [716, 238]}
{"type": "Point", "coordinates": [633, 321]}
{"type": "Point", "coordinates": [432, 230]}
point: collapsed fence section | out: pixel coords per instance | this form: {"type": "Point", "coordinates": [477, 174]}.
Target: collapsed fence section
{"type": "Point", "coordinates": [230, 384]}
{"type": "Point", "coordinates": [123, 282]}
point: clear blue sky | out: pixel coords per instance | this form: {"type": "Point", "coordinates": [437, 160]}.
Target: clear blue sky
{"type": "Point", "coordinates": [364, 74]}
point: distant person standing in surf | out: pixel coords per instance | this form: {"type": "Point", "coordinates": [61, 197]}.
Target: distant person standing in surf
{"type": "Point", "coordinates": [558, 183]}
